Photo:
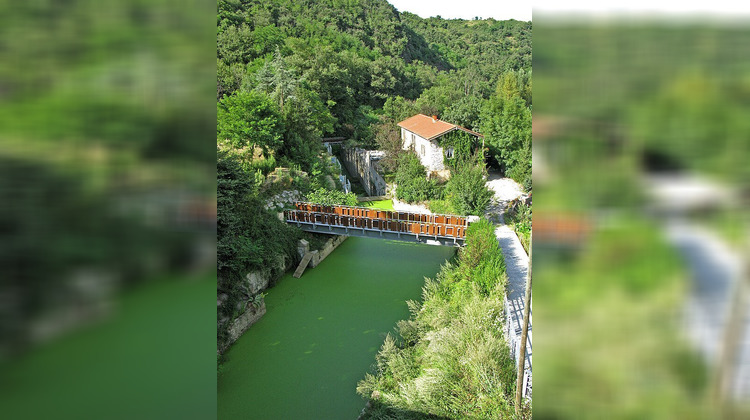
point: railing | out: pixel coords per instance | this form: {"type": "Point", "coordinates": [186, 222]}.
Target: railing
{"type": "Point", "coordinates": [514, 342]}
{"type": "Point", "coordinates": [439, 225]}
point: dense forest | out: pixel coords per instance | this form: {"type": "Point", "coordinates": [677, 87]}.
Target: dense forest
{"type": "Point", "coordinates": [341, 67]}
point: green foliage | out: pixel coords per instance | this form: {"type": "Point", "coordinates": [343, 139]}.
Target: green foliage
{"type": "Point", "coordinates": [465, 112]}
{"type": "Point", "coordinates": [519, 216]}
{"type": "Point", "coordinates": [364, 52]}
{"type": "Point", "coordinates": [249, 237]}
{"type": "Point", "coordinates": [249, 120]}
{"type": "Point", "coordinates": [412, 182]}
{"type": "Point", "coordinates": [332, 197]}
{"type": "Point", "coordinates": [450, 359]}
{"type": "Point", "coordinates": [466, 190]}
{"type": "Point", "coordinates": [506, 124]}
{"type": "Point", "coordinates": [464, 146]}
{"type": "Point", "coordinates": [442, 207]}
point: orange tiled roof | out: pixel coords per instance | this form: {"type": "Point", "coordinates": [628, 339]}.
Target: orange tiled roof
{"type": "Point", "coordinates": [427, 128]}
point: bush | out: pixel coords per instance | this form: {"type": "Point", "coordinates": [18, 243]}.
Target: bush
{"type": "Point", "coordinates": [411, 180]}
{"type": "Point", "coordinates": [249, 238]}
{"type": "Point", "coordinates": [467, 191]}
{"type": "Point", "coordinates": [450, 359]}
{"type": "Point", "coordinates": [332, 197]}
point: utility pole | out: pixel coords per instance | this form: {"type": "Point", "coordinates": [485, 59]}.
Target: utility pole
{"type": "Point", "coordinates": [524, 335]}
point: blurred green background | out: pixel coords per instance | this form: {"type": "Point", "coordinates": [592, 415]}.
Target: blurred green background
{"type": "Point", "coordinates": [107, 209]}
{"type": "Point", "coordinates": [624, 105]}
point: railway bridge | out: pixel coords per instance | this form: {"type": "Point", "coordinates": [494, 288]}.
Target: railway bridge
{"type": "Point", "coordinates": [433, 229]}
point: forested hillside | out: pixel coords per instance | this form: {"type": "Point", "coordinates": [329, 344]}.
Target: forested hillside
{"type": "Point", "coordinates": [341, 67]}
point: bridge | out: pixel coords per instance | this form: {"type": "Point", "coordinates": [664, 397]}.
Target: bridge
{"type": "Point", "coordinates": [433, 229]}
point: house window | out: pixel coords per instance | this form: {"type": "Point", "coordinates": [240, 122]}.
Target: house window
{"type": "Point", "coordinates": [423, 150]}
{"type": "Point", "coordinates": [449, 153]}
{"type": "Point", "coordinates": [412, 138]}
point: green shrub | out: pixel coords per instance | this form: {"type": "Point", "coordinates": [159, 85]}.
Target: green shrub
{"type": "Point", "coordinates": [249, 238]}
{"type": "Point", "coordinates": [450, 359]}
{"type": "Point", "coordinates": [467, 191]}
{"type": "Point", "coordinates": [442, 207]}
{"type": "Point", "coordinates": [411, 180]}
{"type": "Point", "coordinates": [332, 197]}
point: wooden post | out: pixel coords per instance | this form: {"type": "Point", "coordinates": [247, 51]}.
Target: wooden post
{"type": "Point", "coordinates": [731, 341]}
{"type": "Point", "coordinates": [524, 335]}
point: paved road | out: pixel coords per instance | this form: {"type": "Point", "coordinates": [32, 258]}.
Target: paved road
{"type": "Point", "coordinates": [517, 267]}
{"type": "Point", "coordinates": [714, 271]}
{"type": "Point", "coordinates": [516, 262]}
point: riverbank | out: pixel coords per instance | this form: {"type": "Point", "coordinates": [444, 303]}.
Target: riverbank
{"type": "Point", "coordinates": [450, 359]}
{"type": "Point", "coordinates": [321, 332]}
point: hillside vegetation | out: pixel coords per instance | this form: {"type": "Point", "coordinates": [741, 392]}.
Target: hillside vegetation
{"type": "Point", "coordinates": [356, 68]}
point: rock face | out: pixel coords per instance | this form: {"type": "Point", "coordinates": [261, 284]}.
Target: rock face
{"type": "Point", "coordinates": [253, 283]}
{"type": "Point", "coordinates": [238, 327]}
{"type": "Point", "coordinates": [283, 199]}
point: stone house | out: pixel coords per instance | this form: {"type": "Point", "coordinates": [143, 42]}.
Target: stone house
{"type": "Point", "coordinates": [422, 133]}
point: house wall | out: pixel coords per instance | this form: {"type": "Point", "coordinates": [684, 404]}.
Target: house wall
{"type": "Point", "coordinates": [432, 158]}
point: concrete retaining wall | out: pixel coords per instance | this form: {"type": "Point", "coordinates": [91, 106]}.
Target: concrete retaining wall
{"type": "Point", "coordinates": [361, 162]}
{"type": "Point", "coordinates": [331, 244]}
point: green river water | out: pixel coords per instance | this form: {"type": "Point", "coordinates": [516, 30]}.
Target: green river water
{"type": "Point", "coordinates": [321, 332]}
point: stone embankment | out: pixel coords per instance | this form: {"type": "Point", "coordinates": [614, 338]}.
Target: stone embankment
{"type": "Point", "coordinates": [251, 305]}
{"type": "Point", "coordinates": [256, 282]}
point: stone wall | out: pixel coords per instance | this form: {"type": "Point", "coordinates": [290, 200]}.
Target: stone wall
{"type": "Point", "coordinates": [363, 163]}
{"type": "Point", "coordinates": [321, 254]}
{"type": "Point", "coordinates": [252, 305]}
{"type": "Point", "coordinates": [238, 327]}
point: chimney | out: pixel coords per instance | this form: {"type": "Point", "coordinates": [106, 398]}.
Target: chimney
{"type": "Point", "coordinates": [434, 118]}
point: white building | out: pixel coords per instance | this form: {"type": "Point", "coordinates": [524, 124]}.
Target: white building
{"type": "Point", "coordinates": [421, 133]}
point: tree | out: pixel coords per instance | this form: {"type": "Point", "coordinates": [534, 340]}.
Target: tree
{"type": "Point", "coordinates": [277, 80]}
{"type": "Point", "coordinates": [506, 124]}
{"type": "Point", "coordinates": [388, 139]}
{"type": "Point", "coordinates": [249, 120]}
{"type": "Point", "coordinates": [466, 190]}
{"type": "Point", "coordinates": [411, 180]}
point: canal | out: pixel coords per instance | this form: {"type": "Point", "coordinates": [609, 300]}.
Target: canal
{"type": "Point", "coordinates": [303, 359]}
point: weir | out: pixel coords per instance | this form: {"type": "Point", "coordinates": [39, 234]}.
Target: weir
{"type": "Point", "coordinates": [431, 229]}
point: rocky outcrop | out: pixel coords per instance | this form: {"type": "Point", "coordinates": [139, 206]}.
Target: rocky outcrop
{"type": "Point", "coordinates": [252, 314]}
{"type": "Point", "coordinates": [283, 199]}
{"type": "Point", "coordinates": [251, 305]}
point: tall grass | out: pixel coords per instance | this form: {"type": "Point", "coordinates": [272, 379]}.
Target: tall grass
{"type": "Point", "coordinates": [450, 358]}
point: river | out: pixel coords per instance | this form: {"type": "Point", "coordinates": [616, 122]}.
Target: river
{"type": "Point", "coordinates": [303, 359]}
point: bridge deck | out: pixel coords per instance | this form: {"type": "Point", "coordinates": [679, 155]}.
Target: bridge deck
{"type": "Point", "coordinates": [435, 229]}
